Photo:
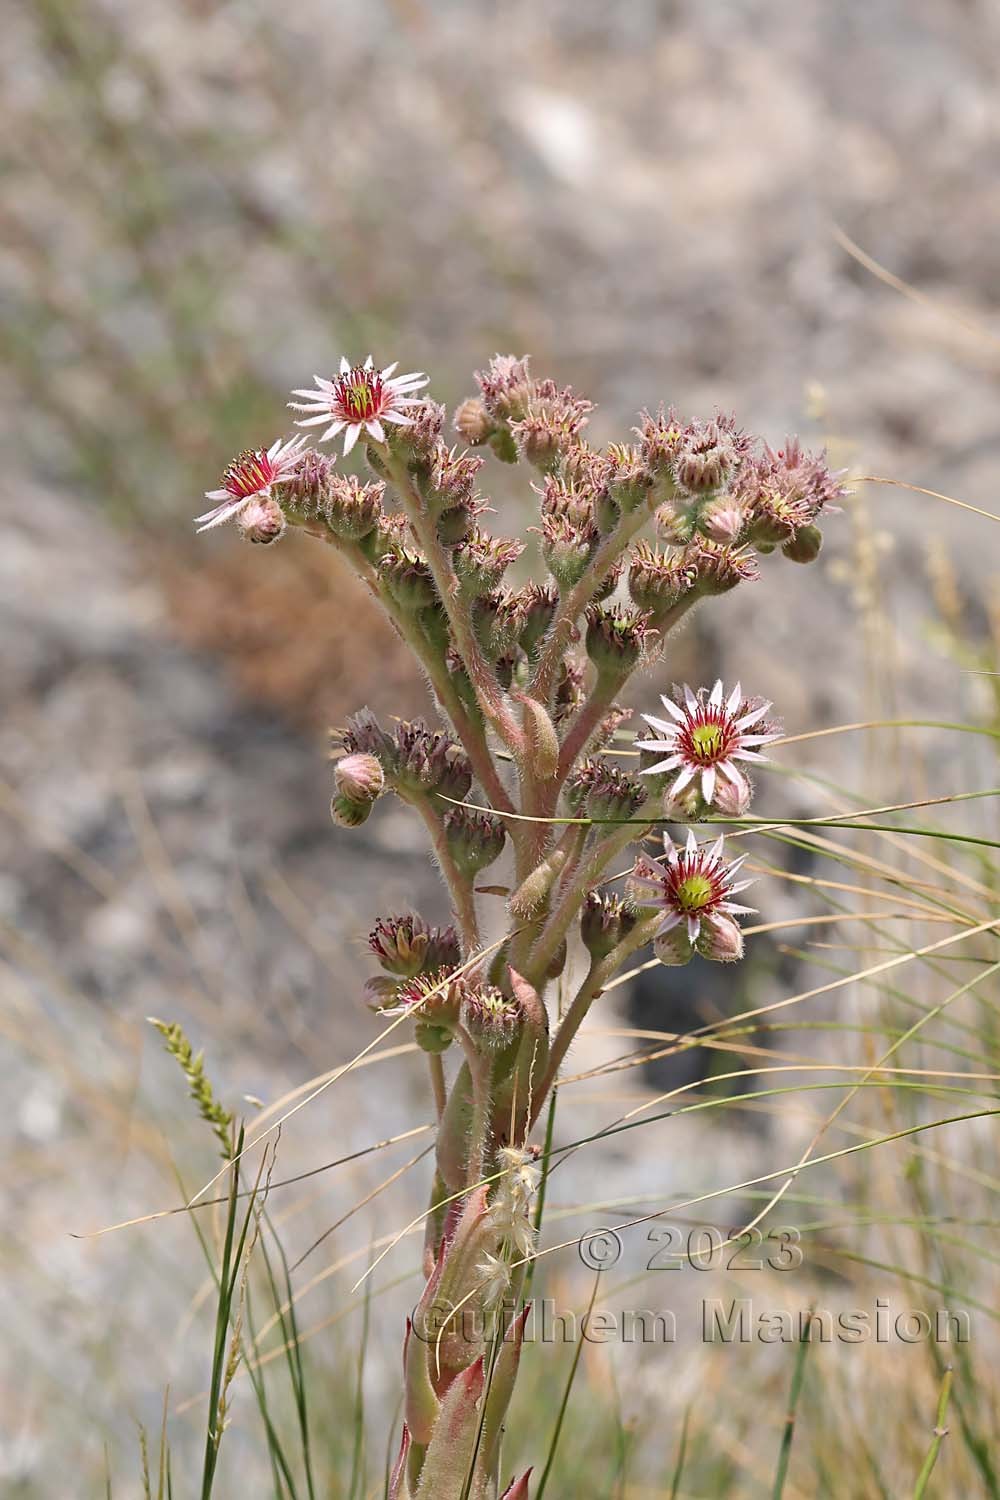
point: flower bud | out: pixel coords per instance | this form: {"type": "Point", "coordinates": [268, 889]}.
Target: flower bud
{"type": "Point", "coordinates": [550, 425]}
{"type": "Point", "coordinates": [420, 436]}
{"type": "Point", "coordinates": [538, 602]}
{"type": "Point", "coordinates": [364, 734]}
{"type": "Point", "coordinates": [801, 485]}
{"type": "Point", "coordinates": [261, 520]}
{"type": "Point", "coordinates": [352, 510]}
{"type": "Point", "coordinates": [491, 1018]}
{"type": "Point", "coordinates": [306, 491]}
{"type": "Point", "coordinates": [675, 521]}
{"type": "Point", "coordinates": [472, 422]}
{"type": "Point", "coordinates": [569, 690]}
{"type": "Point", "coordinates": [475, 839]}
{"type": "Point", "coordinates": [453, 476]}
{"type": "Point", "coordinates": [604, 922]}
{"type": "Point", "coordinates": [388, 533]}
{"type": "Point", "coordinates": [359, 777]}
{"type": "Point", "coordinates": [723, 520]}
{"type": "Point", "coordinates": [606, 731]}
{"type": "Point", "coordinates": [601, 790]}
{"type": "Point", "coordinates": [708, 454]}
{"type": "Point", "coordinates": [434, 997]}
{"type": "Point", "coordinates": [481, 560]}
{"type": "Point", "coordinates": [657, 580]}
{"type": "Point", "coordinates": [659, 440]}
{"type": "Point", "coordinates": [673, 948]}
{"type": "Point", "coordinates": [805, 545]}
{"type": "Point", "coordinates": [719, 568]}
{"type": "Point", "coordinates": [537, 441]}
{"type": "Point", "coordinates": [498, 619]}
{"type": "Point", "coordinates": [638, 887]}
{"type": "Point", "coordinates": [408, 578]}
{"type": "Point", "coordinates": [567, 548]}
{"type": "Point", "coordinates": [568, 499]}
{"type": "Point", "coordinates": [423, 760]}
{"type": "Point", "coordinates": [506, 386]}
{"type": "Point", "coordinates": [616, 639]}
{"type": "Point", "coordinates": [720, 939]}
{"type": "Point", "coordinates": [407, 946]}
{"type": "Point", "coordinates": [453, 524]}
{"type": "Point", "coordinates": [347, 813]}
{"type": "Point", "coordinates": [732, 798]}
{"type": "Point", "coordinates": [628, 476]}
{"type": "Point", "coordinates": [586, 467]}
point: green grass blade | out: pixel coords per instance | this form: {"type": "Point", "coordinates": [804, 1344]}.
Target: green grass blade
{"type": "Point", "coordinates": [940, 1433]}
{"type": "Point", "coordinates": [785, 1451]}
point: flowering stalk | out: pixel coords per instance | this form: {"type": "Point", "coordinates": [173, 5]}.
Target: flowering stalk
{"type": "Point", "coordinates": [527, 681]}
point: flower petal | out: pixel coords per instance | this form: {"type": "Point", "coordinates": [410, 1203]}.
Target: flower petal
{"type": "Point", "coordinates": [672, 708]}
{"type": "Point", "coordinates": [684, 779]}
{"type": "Point", "coordinates": [670, 764]}
{"type": "Point", "coordinates": [219, 515]}
{"type": "Point", "coordinates": [663, 724]}
{"type": "Point", "coordinates": [755, 714]}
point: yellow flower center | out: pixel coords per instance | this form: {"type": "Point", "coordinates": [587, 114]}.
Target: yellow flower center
{"type": "Point", "coordinates": [707, 740]}
{"type": "Point", "coordinates": [695, 892]}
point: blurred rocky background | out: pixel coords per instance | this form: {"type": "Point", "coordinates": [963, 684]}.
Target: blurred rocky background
{"type": "Point", "coordinates": [204, 204]}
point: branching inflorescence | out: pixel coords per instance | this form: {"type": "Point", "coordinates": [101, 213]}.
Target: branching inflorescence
{"type": "Point", "coordinates": [527, 682]}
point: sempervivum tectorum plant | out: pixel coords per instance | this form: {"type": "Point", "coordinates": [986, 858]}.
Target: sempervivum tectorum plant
{"type": "Point", "coordinates": [527, 677]}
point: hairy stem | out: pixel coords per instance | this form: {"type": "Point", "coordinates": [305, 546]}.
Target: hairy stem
{"type": "Point", "coordinates": [596, 978]}
{"type": "Point", "coordinates": [479, 1072]}
{"type": "Point", "coordinates": [588, 720]}
{"type": "Point", "coordinates": [459, 886]}
{"type": "Point", "coordinates": [523, 939]}
{"type": "Point", "coordinates": [481, 674]}
{"type": "Point", "coordinates": [573, 894]}
{"type": "Point", "coordinates": [435, 1067]}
